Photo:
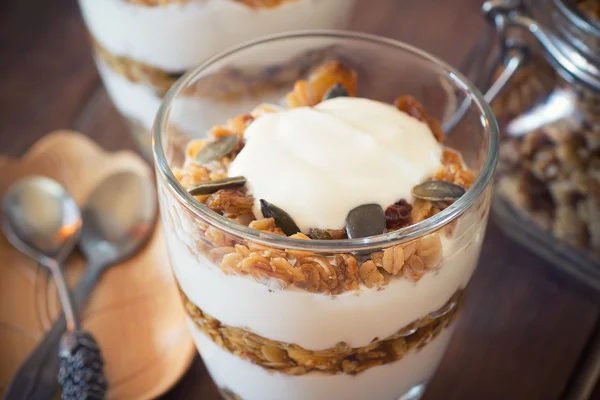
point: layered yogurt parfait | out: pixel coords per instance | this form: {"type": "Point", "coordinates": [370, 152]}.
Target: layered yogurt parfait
{"type": "Point", "coordinates": [143, 46]}
{"type": "Point", "coordinates": [322, 245]}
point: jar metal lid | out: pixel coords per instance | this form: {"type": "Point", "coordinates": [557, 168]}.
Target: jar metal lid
{"type": "Point", "coordinates": [569, 41]}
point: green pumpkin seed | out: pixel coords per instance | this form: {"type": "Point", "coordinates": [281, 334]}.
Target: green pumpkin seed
{"type": "Point", "coordinates": [326, 234]}
{"type": "Point", "coordinates": [217, 149]}
{"type": "Point", "coordinates": [365, 220]}
{"type": "Point", "coordinates": [336, 90]}
{"type": "Point", "coordinates": [282, 219]}
{"type": "Point", "coordinates": [438, 191]}
{"type": "Point", "coordinates": [211, 187]}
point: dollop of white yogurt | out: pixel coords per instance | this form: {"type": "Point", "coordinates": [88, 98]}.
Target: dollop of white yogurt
{"type": "Point", "coordinates": [318, 163]}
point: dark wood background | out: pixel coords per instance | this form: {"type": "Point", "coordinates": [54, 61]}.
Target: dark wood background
{"type": "Point", "coordinates": [525, 325]}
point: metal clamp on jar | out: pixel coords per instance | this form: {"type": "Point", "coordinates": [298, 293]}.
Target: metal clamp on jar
{"type": "Point", "coordinates": [542, 76]}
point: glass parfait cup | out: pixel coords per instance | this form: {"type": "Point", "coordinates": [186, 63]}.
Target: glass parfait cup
{"type": "Point", "coordinates": [285, 317]}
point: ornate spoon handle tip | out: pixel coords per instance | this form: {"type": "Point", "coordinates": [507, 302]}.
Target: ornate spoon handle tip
{"type": "Point", "coordinates": [81, 367]}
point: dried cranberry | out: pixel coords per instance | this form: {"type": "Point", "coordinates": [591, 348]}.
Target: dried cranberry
{"type": "Point", "coordinates": [398, 215]}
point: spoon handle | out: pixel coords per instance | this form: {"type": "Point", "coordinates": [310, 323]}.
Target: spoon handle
{"type": "Point", "coordinates": [37, 375]}
{"type": "Point", "coordinates": [64, 294]}
{"type": "Point", "coordinates": [81, 372]}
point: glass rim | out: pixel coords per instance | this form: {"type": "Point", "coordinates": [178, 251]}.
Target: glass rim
{"type": "Point", "coordinates": [341, 245]}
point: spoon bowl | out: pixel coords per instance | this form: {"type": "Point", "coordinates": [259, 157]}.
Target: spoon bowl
{"type": "Point", "coordinates": [118, 216]}
{"type": "Point", "coordinates": [40, 218]}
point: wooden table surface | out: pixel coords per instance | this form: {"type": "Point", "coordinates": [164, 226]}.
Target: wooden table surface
{"type": "Point", "coordinates": [524, 326]}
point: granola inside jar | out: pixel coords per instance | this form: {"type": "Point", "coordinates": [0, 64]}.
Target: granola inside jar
{"type": "Point", "coordinates": [548, 180]}
{"type": "Point", "coordinates": [549, 168]}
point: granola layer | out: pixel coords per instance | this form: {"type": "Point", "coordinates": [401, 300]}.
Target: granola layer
{"type": "Point", "coordinates": [137, 72]}
{"type": "Point", "coordinates": [389, 381]}
{"type": "Point", "coordinates": [225, 85]}
{"type": "Point", "coordinates": [317, 273]}
{"type": "Point", "coordinates": [291, 359]}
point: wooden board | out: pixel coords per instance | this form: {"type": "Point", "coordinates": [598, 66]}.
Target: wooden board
{"type": "Point", "coordinates": [134, 313]}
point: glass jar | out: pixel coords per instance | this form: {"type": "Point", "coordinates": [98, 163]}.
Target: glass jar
{"type": "Point", "coordinates": [548, 183]}
{"type": "Point", "coordinates": [279, 317]}
{"type": "Point", "coordinates": [142, 46]}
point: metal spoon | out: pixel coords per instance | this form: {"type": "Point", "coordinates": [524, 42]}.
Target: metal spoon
{"type": "Point", "coordinates": [118, 218]}
{"type": "Point", "coordinates": [43, 221]}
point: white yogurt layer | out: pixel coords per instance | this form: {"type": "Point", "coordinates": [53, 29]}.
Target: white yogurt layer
{"type": "Point", "coordinates": [317, 321]}
{"type": "Point", "coordinates": [176, 37]}
{"type": "Point", "coordinates": [386, 382]}
{"type": "Point", "coordinates": [318, 163]}
{"type": "Point", "coordinates": [133, 100]}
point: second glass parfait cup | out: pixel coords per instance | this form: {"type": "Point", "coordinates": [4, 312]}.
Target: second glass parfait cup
{"type": "Point", "coordinates": [319, 317]}
{"type": "Point", "coordinates": [141, 47]}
